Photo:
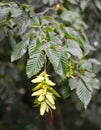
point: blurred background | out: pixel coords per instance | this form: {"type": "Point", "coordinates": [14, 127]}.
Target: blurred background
{"type": "Point", "coordinates": [16, 111]}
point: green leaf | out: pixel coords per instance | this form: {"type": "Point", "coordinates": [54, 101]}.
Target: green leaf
{"type": "Point", "coordinates": [74, 48]}
{"type": "Point", "coordinates": [75, 52]}
{"type": "Point", "coordinates": [74, 44]}
{"type": "Point", "coordinates": [24, 26]}
{"type": "Point", "coordinates": [87, 65]}
{"type": "Point", "coordinates": [32, 47]}
{"type": "Point", "coordinates": [54, 38]}
{"type": "Point", "coordinates": [35, 63]}
{"type": "Point", "coordinates": [98, 4]}
{"type": "Point", "coordinates": [3, 13]}
{"type": "Point", "coordinates": [19, 50]}
{"type": "Point", "coordinates": [84, 4]}
{"type": "Point", "coordinates": [94, 61]}
{"type": "Point", "coordinates": [88, 82]}
{"type": "Point", "coordinates": [66, 32]}
{"type": "Point", "coordinates": [58, 58]}
{"type": "Point", "coordinates": [96, 84]}
{"type": "Point", "coordinates": [69, 16]}
{"type": "Point", "coordinates": [73, 2]}
{"type": "Point", "coordinates": [65, 89]}
{"type": "Point", "coordinates": [72, 18]}
{"type": "Point", "coordinates": [73, 83]}
{"type": "Point", "coordinates": [89, 48]}
{"type": "Point", "coordinates": [63, 60]}
{"type": "Point", "coordinates": [52, 54]}
{"type": "Point", "coordinates": [83, 94]}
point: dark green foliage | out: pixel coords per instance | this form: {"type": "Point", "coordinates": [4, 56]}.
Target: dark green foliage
{"type": "Point", "coordinates": [59, 39]}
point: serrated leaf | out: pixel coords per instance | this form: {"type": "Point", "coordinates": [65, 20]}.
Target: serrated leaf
{"type": "Point", "coordinates": [87, 65]}
{"type": "Point", "coordinates": [55, 39]}
{"type": "Point", "coordinates": [73, 83]}
{"type": "Point", "coordinates": [83, 94]}
{"type": "Point", "coordinates": [73, 2]}
{"type": "Point", "coordinates": [98, 4]}
{"type": "Point", "coordinates": [74, 48]}
{"type": "Point", "coordinates": [88, 48]}
{"type": "Point", "coordinates": [67, 34]}
{"type": "Point", "coordinates": [63, 60]}
{"type": "Point", "coordinates": [3, 13]}
{"type": "Point", "coordinates": [96, 84]}
{"type": "Point", "coordinates": [65, 89]}
{"type": "Point", "coordinates": [94, 61]}
{"type": "Point", "coordinates": [35, 63]}
{"type": "Point", "coordinates": [69, 16]}
{"type": "Point", "coordinates": [52, 54]}
{"type": "Point", "coordinates": [19, 50]}
{"type": "Point", "coordinates": [84, 4]}
{"type": "Point", "coordinates": [74, 44]}
{"type": "Point", "coordinates": [75, 52]}
{"type": "Point", "coordinates": [88, 82]}
{"type": "Point", "coordinates": [33, 47]}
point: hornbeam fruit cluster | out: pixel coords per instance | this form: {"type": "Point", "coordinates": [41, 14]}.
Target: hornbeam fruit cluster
{"type": "Point", "coordinates": [45, 94]}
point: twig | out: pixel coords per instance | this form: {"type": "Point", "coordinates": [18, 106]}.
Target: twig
{"type": "Point", "coordinates": [45, 11]}
{"type": "Point", "coordinates": [45, 60]}
{"type": "Point", "coordinates": [18, 3]}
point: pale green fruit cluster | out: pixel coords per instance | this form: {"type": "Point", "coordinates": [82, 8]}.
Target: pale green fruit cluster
{"type": "Point", "coordinates": [45, 93]}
